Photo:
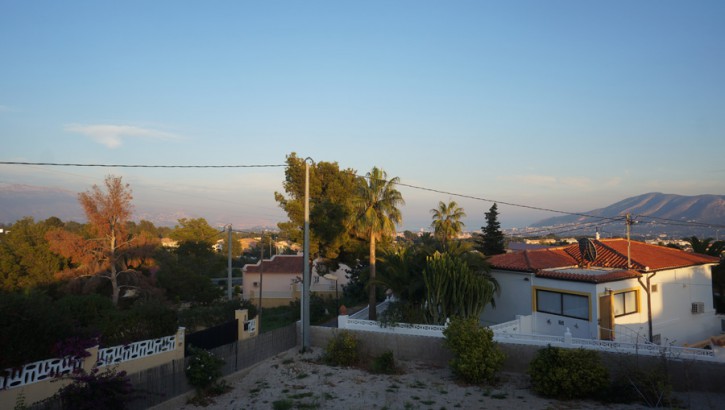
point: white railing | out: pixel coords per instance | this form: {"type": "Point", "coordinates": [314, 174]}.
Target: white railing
{"type": "Point", "coordinates": [510, 332]}
{"type": "Point", "coordinates": [37, 371]}
{"type": "Point", "coordinates": [47, 369]}
{"type": "Point", "coordinates": [398, 328]}
{"type": "Point", "coordinates": [363, 313]}
{"type": "Point", "coordinates": [250, 326]}
{"type": "Point", "coordinates": [118, 354]}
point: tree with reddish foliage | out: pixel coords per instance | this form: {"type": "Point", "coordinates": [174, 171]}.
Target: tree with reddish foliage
{"type": "Point", "coordinates": [108, 250]}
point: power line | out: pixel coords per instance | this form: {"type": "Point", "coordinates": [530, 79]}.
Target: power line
{"type": "Point", "coordinates": [536, 208]}
{"type": "Point", "coordinates": [438, 191]}
{"type": "Point", "coordinates": [55, 164]}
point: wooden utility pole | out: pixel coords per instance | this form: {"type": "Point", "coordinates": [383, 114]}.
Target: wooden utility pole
{"type": "Point", "coordinates": [629, 256]}
{"type": "Point", "coordinates": [229, 263]}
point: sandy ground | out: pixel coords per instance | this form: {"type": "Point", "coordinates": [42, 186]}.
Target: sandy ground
{"type": "Point", "coordinates": [301, 382]}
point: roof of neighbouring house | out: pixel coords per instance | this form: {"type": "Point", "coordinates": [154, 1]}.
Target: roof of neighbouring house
{"type": "Point", "coordinates": [592, 275]}
{"type": "Point", "coordinates": [278, 264]}
{"type": "Point", "coordinates": [611, 253]}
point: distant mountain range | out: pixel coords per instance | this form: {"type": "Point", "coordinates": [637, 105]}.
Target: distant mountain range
{"type": "Point", "coordinates": [18, 201]}
{"type": "Point", "coordinates": [654, 213]}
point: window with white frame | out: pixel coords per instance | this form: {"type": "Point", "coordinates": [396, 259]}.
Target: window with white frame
{"type": "Point", "coordinates": [625, 303]}
{"type": "Point", "coordinates": [563, 304]}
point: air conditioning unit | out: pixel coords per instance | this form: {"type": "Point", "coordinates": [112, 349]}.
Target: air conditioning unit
{"type": "Point", "coordinates": [698, 307]}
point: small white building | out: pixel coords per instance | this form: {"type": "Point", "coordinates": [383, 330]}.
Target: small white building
{"type": "Point", "coordinates": [280, 280]}
{"type": "Point", "coordinates": [662, 294]}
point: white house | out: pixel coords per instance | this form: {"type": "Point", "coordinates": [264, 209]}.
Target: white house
{"type": "Point", "coordinates": [280, 280]}
{"type": "Point", "coordinates": [625, 290]}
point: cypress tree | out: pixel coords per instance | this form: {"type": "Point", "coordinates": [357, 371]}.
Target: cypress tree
{"type": "Point", "coordinates": [491, 242]}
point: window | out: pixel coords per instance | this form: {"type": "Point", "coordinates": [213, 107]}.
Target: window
{"type": "Point", "coordinates": [625, 303]}
{"type": "Point", "coordinates": [563, 304]}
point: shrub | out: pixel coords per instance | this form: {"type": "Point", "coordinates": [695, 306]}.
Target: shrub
{"type": "Point", "coordinates": [385, 363]}
{"type": "Point", "coordinates": [97, 390]}
{"type": "Point", "coordinates": [204, 369]}
{"type": "Point", "coordinates": [476, 357]}
{"type": "Point", "coordinates": [649, 385]}
{"type": "Point", "coordinates": [342, 349]}
{"type": "Point", "coordinates": [568, 373]}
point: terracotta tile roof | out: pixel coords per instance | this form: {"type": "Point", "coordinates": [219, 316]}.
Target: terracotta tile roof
{"type": "Point", "coordinates": [586, 275]}
{"type": "Point", "coordinates": [278, 264]}
{"type": "Point", "coordinates": [611, 253]}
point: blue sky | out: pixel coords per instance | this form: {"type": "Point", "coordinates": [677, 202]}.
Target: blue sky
{"type": "Point", "coordinates": [567, 105]}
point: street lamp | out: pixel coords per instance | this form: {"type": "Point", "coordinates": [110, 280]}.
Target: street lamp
{"type": "Point", "coordinates": [330, 276]}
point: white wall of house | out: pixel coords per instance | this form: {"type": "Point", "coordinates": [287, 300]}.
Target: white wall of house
{"type": "Point", "coordinates": [556, 325]}
{"type": "Point", "coordinates": [515, 298]}
{"type": "Point", "coordinates": [672, 304]}
{"type": "Point", "coordinates": [274, 286]}
{"type": "Point", "coordinates": [672, 313]}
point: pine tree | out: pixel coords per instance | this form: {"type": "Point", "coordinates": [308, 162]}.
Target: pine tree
{"type": "Point", "coordinates": [491, 242]}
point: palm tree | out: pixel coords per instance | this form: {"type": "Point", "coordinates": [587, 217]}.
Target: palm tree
{"type": "Point", "coordinates": [447, 221]}
{"type": "Point", "coordinates": [376, 202]}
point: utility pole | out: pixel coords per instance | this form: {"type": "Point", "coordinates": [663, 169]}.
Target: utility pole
{"type": "Point", "coordinates": [229, 264]}
{"type": "Point", "coordinates": [629, 223]}
{"type": "Point", "coordinates": [261, 278]}
{"type": "Point", "coordinates": [306, 259]}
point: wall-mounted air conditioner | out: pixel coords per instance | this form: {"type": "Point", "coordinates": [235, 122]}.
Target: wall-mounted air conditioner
{"type": "Point", "coordinates": [698, 307]}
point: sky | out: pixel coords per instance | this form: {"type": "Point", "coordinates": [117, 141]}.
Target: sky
{"type": "Point", "coordinates": [564, 105]}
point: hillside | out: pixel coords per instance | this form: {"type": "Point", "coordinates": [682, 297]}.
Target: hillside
{"type": "Point", "coordinates": [18, 201]}
{"type": "Point", "coordinates": [657, 213]}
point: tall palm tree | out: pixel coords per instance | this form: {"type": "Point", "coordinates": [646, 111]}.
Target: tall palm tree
{"type": "Point", "coordinates": [447, 221]}
{"type": "Point", "coordinates": [376, 202]}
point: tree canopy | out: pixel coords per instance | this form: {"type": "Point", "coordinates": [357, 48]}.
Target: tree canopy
{"type": "Point", "coordinates": [447, 222]}
{"type": "Point", "coordinates": [108, 247]}
{"type": "Point", "coordinates": [376, 203]}
{"type": "Point", "coordinates": [331, 191]}
{"type": "Point", "coordinates": [491, 241]}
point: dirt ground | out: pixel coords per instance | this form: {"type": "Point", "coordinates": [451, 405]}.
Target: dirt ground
{"type": "Point", "coordinates": [292, 380]}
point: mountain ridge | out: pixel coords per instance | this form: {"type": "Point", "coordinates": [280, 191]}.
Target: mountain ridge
{"type": "Point", "coordinates": [673, 212]}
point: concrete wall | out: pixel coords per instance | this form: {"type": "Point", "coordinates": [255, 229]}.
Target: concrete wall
{"type": "Point", "coordinates": [44, 389]}
{"type": "Point", "coordinates": [685, 375]}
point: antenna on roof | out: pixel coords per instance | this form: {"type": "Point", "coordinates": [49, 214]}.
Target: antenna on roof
{"type": "Point", "coordinates": [587, 250]}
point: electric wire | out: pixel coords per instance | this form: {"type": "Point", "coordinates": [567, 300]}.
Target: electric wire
{"type": "Point", "coordinates": [663, 221]}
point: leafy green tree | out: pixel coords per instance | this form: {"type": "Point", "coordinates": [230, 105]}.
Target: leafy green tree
{"type": "Point", "coordinates": [447, 222]}
{"type": "Point", "coordinates": [331, 190]}
{"type": "Point", "coordinates": [376, 202]}
{"type": "Point", "coordinates": [30, 326]}
{"type": "Point", "coordinates": [180, 273]}
{"type": "Point", "coordinates": [25, 257]}
{"type": "Point", "coordinates": [491, 242]}
{"type": "Point", "coordinates": [196, 230]}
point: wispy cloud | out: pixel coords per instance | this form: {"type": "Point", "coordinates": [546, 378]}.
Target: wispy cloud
{"type": "Point", "coordinates": [6, 108]}
{"type": "Point", "coordinates": [113, 136]}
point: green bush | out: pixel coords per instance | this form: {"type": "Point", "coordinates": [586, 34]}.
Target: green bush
{"type": "Point", "coordinates": [568, 373]}
{"type": "Point", "coordinates": [204, 368]}
{"type": "Point", "coordinates": [342, 349]}
{"type": "Point", "coordinates": [384, 364]}
{"type": "Point", "coordinates": [476, 357]}
{"type": "Point", "coordinates": [649, 385]}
